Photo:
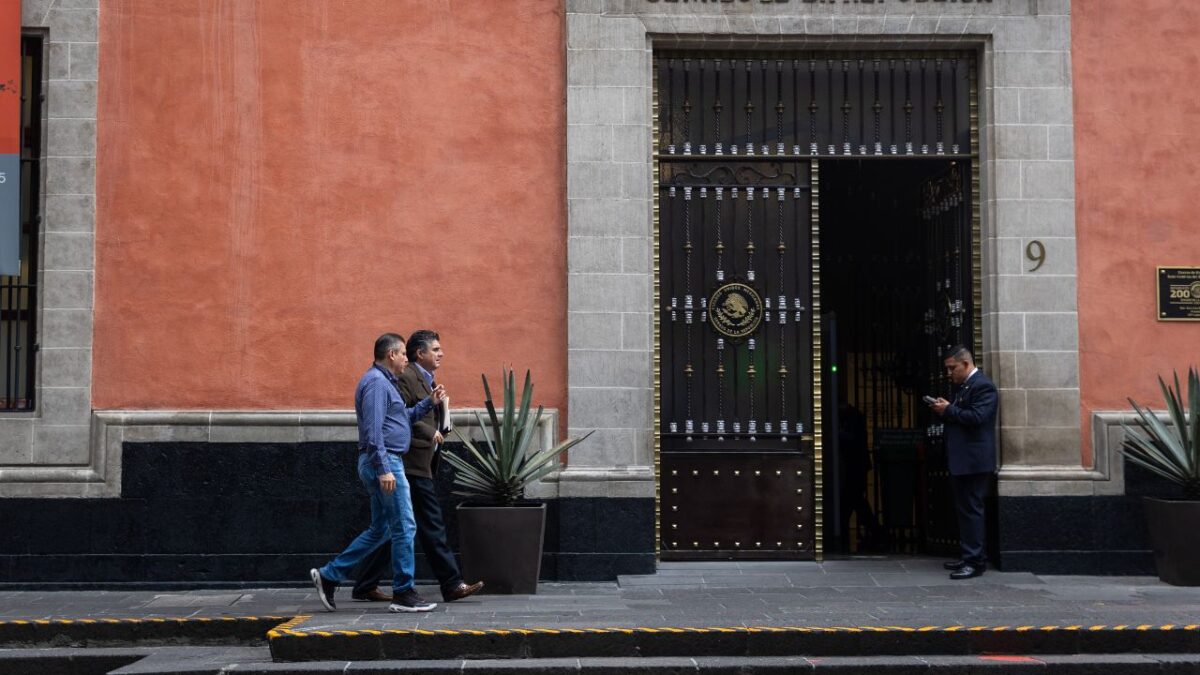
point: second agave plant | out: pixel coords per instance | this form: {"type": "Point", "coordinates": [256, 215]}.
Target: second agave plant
{"type": "Point", "coordinates": [500, 535]}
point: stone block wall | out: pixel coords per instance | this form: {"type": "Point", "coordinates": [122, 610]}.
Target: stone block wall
{"type": "Point", "coordinates": [48, 451]}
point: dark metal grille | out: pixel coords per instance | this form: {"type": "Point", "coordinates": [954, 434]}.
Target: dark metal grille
{"type": "Point", "coordinates": [946, 211]}
{"type": "Point", "coordinates": [19, 294]}
{"type": "Point", "coordinates": [814, 104]}
{"type": "Point", "coordinates": [750, 225]}
{"type": "Point", "coordinates": [896, 282]}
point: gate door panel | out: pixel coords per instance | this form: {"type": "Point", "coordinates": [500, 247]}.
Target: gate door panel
{"type": "Point", "coordinates": [946, 212]}
{"type": "Point", "coordinates": [736, 317]}
{"type": "Point", "coordinates": [755, 505]}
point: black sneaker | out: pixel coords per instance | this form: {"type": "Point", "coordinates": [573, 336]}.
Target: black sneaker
{"type": "Point", "coordinates": [410, 601]}
{"type": "Point", "coordinates": [325, 589]}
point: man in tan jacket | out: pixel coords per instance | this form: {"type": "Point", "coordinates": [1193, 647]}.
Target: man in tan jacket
{"type": "Point", "coordinates": [424, 350]}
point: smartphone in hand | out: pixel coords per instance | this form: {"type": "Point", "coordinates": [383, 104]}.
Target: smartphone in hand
{"type": "Point", "coordinates": [929, 400]}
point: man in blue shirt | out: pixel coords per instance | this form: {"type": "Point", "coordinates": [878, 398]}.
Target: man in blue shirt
{"type": "Point", "coordinates": [425, 355]}
{"type": "Point", "coordinates": [384, 433]}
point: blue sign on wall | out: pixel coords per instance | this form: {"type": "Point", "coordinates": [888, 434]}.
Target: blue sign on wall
{"type": "Point", "coordinates": [10, 214]}
{"type": "Point", "coordinates": [10, 137]}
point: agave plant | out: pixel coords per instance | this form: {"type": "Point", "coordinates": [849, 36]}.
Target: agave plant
{"type": "Point", "coordinates": [1172, 452]}
{"type": "Point", "coordinates": [504, 467]}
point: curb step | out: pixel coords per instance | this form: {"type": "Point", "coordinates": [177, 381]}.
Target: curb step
{"type": "Point", "coordinates": [289, 643]}
{"type": "Point", "coordinates": [177, 647]}
{"type": "Point", "coordinates": [160, 662]}
{"type": "Point", "coordinates": [1116, 664]}
{"type": "Point", "coordinates": [239, 630]}
{"type": "Point", "coordinates": [130, 660]}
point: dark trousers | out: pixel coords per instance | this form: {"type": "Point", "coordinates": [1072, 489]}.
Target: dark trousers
{"type": "Point", "coordinates": [431, 533]}
{"type": "Point", "coordinates": [970, 490]}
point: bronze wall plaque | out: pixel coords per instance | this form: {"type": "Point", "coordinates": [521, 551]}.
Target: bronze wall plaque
{"type": "Point", "coordinates": [1179, 293]}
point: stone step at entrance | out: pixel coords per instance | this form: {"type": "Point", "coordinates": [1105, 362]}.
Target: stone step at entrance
{"type": "Point", "coordinates": [326, 639]}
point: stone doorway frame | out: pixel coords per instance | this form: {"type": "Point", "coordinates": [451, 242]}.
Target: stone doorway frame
{"type": "Point", "coordinates": [1029, 319]}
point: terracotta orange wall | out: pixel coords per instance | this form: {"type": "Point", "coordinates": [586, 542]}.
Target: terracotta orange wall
{"type": "Point", "coordinates": [1137, 147]}
{"type": "Point", "coordinates": [279, 182]}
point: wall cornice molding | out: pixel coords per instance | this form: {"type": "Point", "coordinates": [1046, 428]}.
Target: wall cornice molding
{"type": "Point", "coordinates": [1106, 476]}
{"type": "Point", "coordinates": [111, 429]}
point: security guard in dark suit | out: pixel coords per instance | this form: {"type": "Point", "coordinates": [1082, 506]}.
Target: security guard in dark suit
{"type": "Point", "coordinates": [970, 421]}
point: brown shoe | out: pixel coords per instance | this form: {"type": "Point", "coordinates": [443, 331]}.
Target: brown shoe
{"type": "Point", "coordinates": [373, 595]}
{"type": "Point", "coordinates": [462, 591]}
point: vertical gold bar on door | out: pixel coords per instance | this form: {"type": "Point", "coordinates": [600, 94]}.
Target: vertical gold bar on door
{"type": "Point", "coordinates": [656, 323]}
{"type": "Point", "coordinates": [976, 220]}
{"type": "Point", "coordinates": [818, 468]}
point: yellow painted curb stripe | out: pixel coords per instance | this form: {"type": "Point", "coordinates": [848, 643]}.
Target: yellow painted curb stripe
{"type": "Point", "coordinates": [288, 625]}
{"type": "Point", "coordinates": [177, 619]}
{"type": "Point", "coordinates": [284, 629]}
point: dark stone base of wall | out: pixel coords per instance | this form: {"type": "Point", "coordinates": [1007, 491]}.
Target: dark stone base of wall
{"type": "Point", "coordinates": [1103, 535]}
{"type": "Point", "coordinates": [244, 570]}
{"type": "Point", "coordinates": [227, 514]}
{"type": "Point", "coordinates": [211, 514]}
{"type": "Point", "coordinates": [1102, 563]}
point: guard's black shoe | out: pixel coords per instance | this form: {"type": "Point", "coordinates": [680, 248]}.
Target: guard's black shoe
{"type": "Point", "coordinates": [967, 571]}
{"type": "Point", "coordinates": [952, 566]}
{"type": "Point", "coordinates": [325, 589]}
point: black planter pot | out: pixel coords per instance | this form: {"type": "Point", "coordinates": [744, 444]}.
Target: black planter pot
{"type": "Point", "coordinates": [1173, 526]}
{"type": "Point", "coordinates": [502, 546]}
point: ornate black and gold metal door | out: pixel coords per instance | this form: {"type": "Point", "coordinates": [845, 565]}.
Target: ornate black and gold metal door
{"type": "Point", "coordinates": [739, 138]}
{"type": "Point", "coordinates": [736, 327]}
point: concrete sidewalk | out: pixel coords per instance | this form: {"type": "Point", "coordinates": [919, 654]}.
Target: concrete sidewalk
{"type": "Point", "coordinates": [843, 609]}
{"type": "Point", "coordinates": [859, 592]}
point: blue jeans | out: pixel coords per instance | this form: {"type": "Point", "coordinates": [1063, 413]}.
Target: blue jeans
{"type": "Point", "coordinates": [431, 532]}
{"type": "Point", "coordinates": [391, 515]}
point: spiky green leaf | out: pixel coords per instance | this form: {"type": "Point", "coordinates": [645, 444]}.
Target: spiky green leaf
{"type": "Point", "coordinates": [1169, 450]}
{"type": "Point", "coordinates": [501, 470]}
{"type": "Point", "coordinates": [547, 456]}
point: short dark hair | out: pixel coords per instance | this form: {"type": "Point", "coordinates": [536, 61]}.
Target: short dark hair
{"type": "Point", "coordinates": [386, 343]}
{"type": "Point", "coordinates": [958, 353]}
{"type": "Point", "coordinates": [420, 341]}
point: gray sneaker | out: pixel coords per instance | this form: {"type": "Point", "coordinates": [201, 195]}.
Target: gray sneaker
{"type": "Point", "coordinates": [410, 601]}
{"type": "Point", "coordinates": [325, 589]}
